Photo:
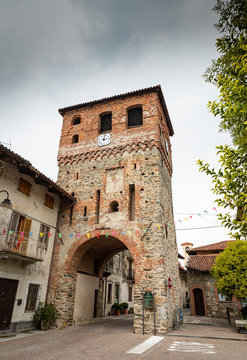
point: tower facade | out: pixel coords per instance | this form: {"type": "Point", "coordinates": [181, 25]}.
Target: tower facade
{"type": "Point", "coordinates": [115, 157]}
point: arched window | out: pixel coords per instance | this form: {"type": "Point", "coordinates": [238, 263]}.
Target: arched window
{"type": "Point", "coordinates": [105, 122]}
{"type": "Point", "coordinates": [75, 139]}
{"type": "Point", "coordinates": [135, 117]}
{"type": "Point", "coordinates": [114, 206]}
{"type": "Point", "coordinates": [76, 121]}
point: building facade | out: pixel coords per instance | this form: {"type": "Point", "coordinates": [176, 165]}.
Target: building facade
{"type": "Point", "coordinates": [27, 232]}
{"type": "Point", "coordinates": [205, 299]}
{"type": "Point", "coordinates": [115, 157]}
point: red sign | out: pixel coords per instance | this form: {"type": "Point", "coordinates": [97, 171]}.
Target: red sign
{"type": "Point", "coordinates": [169, 283]}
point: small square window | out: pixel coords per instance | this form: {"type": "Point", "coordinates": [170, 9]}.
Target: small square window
{"type": "Point", "coordinates": [24, 186]}
{"type": "Point", "coordinates": [49, 201]}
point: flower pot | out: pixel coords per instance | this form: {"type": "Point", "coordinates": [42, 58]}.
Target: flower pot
{"type": "Point", "coordinates": [44, 325]}
{"type": "Point", "coordinates": [117, 312]}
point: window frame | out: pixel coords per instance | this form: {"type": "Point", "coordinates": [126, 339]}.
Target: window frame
{"type": "Point", "coordinates": [44, 240]}
{"type": "Point", "coordinates": [73, 139]}
{"type": "Point", "coordinates": [49, 199]}
{"type": "Point", "coordinates": [75, 119]}
{"type": "Point", "coordinates": [100, 122]}
{"type": "Point", "coordinates": [131, 109]}
{"type": "Point", "coordinates": [21, 186]}
{"type": "Point", "coordinates": [38, 285]}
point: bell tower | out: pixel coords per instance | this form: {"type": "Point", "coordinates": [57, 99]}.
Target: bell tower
{"type": "Point", "coordinates": [115, 156]}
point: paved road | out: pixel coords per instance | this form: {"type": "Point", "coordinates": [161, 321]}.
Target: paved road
{"type": "Point", "coordinates": [112, 338]}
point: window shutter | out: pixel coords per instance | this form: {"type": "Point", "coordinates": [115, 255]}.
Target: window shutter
{"type": "Point", "coordinates": [24, 186]}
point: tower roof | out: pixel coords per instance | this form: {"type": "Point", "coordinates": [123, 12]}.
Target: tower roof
{"type": "Point", "coordinates": [156, 88]}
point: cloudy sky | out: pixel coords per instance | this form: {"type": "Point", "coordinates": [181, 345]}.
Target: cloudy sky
{"type": "Point", "coordinates": [55, 53]}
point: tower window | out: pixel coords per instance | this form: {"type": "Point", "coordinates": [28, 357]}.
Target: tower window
{"type": "Point", "coordinates": [135, 117]}
{"type": "Point", "coordinates": [75, 139]}
{"type": "Point", "coordinates": [114, 206]}
{"type": "Point", "coordinates": [85, 211]}
{"type": "Point", "coordinates": [105, 123]}
{"type": "Point", "coordinates": [132, 202]}
{"type": "Point", "coordinates": [76, 121]}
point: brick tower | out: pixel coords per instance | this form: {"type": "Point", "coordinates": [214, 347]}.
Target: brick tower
{"type": "Point", "coordinates": [115, 157]}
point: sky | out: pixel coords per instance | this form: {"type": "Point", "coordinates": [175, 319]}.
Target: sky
{"type": "Point", "coordinates": [56, 53]}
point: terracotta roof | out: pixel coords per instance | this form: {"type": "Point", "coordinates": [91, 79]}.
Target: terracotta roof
{"type": "Point", "coordinates": [201, 262]}
{"type": "Point", "coordinates": [27, 168]}
{"type": "Point", "coordinates": [156, 88]}
{"type": "Point", "coordinates": [219, 246]}
{"type": "Point", "coordinates": [186, 243]}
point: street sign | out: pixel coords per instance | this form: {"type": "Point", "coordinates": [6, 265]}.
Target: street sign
{"type": "Point", "coordinates": [148, 299]}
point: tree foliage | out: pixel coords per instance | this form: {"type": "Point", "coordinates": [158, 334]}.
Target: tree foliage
{"type": "Point", "coordinates": [230, 183]}
{"type": "Point", "coordinates": [230, 270]}
{"type": "Point", "coordinates": [229, 71]}
{"type": "Point", "coordinates": [229, 74]}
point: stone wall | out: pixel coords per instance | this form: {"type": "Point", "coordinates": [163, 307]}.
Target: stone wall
{"type": "Point", "coordinates": [214, 307]}
{"type": "Point", "coordinates": [134, 156]}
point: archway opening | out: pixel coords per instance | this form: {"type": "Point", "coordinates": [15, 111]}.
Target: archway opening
{"type": "Point", "coordinates": [199, 302]}
{"type": "Point", "coordinates": [105, 279]}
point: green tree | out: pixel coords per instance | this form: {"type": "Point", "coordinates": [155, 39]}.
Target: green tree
{"type": "Point", "coordinates": [230, 270]}
{"type": "Point", "coordinates": [229, 74]}
{"type": "Point", "coordinates": [230, 183]}
{"type": "Point", "coordinates": [229, 71]}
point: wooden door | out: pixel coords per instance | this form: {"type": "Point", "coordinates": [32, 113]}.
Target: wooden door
{"type": "Point", "coordinates": [7, 299]}
{"type": "Point", "coordinates": [199, 302]}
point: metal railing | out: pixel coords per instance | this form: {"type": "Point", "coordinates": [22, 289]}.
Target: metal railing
{"type": "Point", "coordinates": [22, 245]}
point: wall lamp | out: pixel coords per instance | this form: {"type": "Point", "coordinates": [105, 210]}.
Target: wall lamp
{"type": "Point", "coordinates": [6, 202]}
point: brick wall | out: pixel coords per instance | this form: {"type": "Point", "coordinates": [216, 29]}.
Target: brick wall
{"type": "Point", "coordinates": [136, 156]}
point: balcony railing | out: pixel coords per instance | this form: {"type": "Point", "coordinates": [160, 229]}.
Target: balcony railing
{"type": "Point", "coordinates": [129, 274]}
{"type": "Point", "coordinates": [21, 248]}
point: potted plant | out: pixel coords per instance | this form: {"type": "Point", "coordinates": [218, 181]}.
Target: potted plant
{"type": "Point", "coordinates": [124, 307]}
{"type": "Point", "coordinates": [116, 308]}
{"type": "Point", "coordinates": [45, 315]}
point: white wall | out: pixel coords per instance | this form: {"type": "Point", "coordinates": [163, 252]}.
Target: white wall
{"type": "Point", "coordinates": [84, 297]}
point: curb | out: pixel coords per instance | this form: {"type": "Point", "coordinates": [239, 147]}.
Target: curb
{"type": "Point", "coordinates": [205, 324]}
{"type": "Point", "coordinates": [206, 337]}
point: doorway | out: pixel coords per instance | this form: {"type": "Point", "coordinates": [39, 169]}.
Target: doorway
{"type": "Point", "coordinates": [199, 302]}
{"type": "Point", "coordinates": [7, 299]}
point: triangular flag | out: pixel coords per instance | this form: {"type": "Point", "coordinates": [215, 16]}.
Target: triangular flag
{"type": "Point", "coordinates": [137, 231]}
{"type": "Point", "coordinates": [199, 214]}
{"type": "Point", "coordinates": [180, 220]}
{"type": "Point", "coordinates": [186, 219]}
{"type": "Point", "coordinates": [122, 233]}
{"type": "Point", "coordinates": [71, 235]}
{"type": "Point", "coordinates": [41, 235]}
{"type": "Point", "coordinates": [88, 235]}
{"type": "Point", "coordinates": [22, 233]}
{"type": "Point", "coordinates": [97, 235]}
{"type": "Point", "coordinates": [106, 235]}
{"type": "Point", "coordinates": [113, 234]}
{"type": "Point", "coordinates": [11, 232]}
{"type": "Point", "coordinates": [214, 208]}
{"type": "Point", "coordinates": [168, 224]}
{"type": "Point", "coordinates": [159, 228]}
{"type": "Point", "coordinates": [60, 235]}
{"type": "Point", "coordinates": [78, 235]}
{"type": "Point", "coordinates": [129, 232]}
{"type": "Point", "coordinates": [205, 211]}
{"type": "Point", "coordinates": [30, 234]}
{"type": "Point", "coordinates": [3, 231]}
{"type": "Point", "coordinates": [145, 230]}
{"type": "Point", "coordinates": [190, 217]}
{"type": "Point", "coordinates": [49, 234]}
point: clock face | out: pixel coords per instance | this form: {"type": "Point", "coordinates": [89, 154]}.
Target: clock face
{"type": "Point", "coordinates": [104, 139]}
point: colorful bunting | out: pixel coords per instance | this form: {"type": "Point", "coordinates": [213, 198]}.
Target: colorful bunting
{"type": "Point", "coordinates": [60, 235]}
{"type": "Point", "coordinates": [49, 235]}
{"type": "Point", "coordinates": [41, 235]}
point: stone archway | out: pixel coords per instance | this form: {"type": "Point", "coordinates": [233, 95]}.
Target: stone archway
{"type": "Point", "coordinates": [198, 301]}
{"type": "Point", "coordinates": [79, 264]}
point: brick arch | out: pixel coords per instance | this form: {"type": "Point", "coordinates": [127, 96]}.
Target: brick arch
{"type": "Point", "coordinates": [80, 246]}
{"type": "Point", "coordinates": [192, 299]}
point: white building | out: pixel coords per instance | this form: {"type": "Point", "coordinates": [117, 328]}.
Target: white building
{"type": "Point", "coordinates": [27, 233]}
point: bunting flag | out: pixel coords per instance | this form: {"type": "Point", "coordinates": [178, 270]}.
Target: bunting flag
{"type": "Point", "coordinates": [60, 235]}
{"type": "Point", "coordinates": [106, 235]}
{"type": "Point", "coordinates": [78, 235]}
{"type": "Point", "coordinates": [30, 234]}
{"type": "Point", "coordinates": [41, 235]}
{"type": "Point", "coordinates": [49, 235]}
{"type": "Point", "coordinates": [11, 232]}
{"type": "Point", "coordinates": [97, 235]}
{"type": "Point", "coordinates": [19, 242]}
{"type": "Point", "coordinates": [71, 235]}
{"type": "Point", "coordinates": [214, 208]}
{"type": "Point", "coordinates": [88, 235]}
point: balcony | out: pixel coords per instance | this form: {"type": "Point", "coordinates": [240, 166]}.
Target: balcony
{"type": "Point", "coordinates": [27, 250]}
{"type": "Point", "coordinates": [129, 274]}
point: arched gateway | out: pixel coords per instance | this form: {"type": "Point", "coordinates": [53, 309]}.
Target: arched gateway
{"type": "Point", "coordinates": [120, 173]}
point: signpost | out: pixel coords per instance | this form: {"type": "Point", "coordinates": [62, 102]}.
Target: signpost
{"type": "Point", "coordinates": [148, 300]}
